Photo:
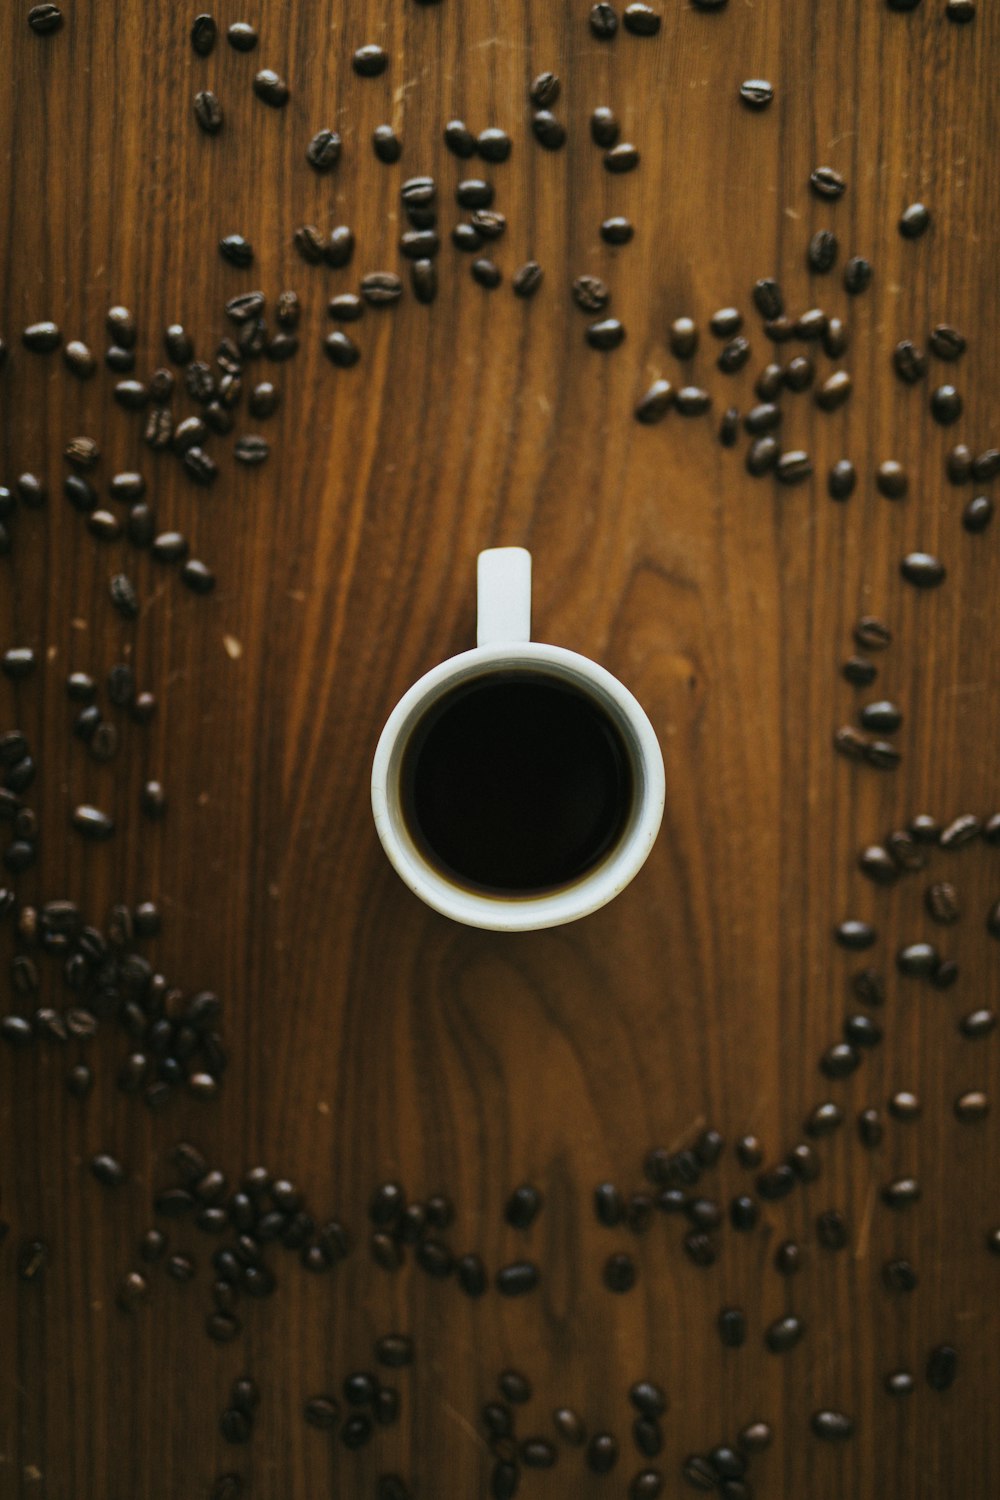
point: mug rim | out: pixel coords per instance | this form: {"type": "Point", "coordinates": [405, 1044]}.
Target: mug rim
{"type": "Point", "coordinates": [567, 903]}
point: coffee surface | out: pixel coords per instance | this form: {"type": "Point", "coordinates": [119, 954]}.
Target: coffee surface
{"type": "Point", "coordinates": [516, 783]}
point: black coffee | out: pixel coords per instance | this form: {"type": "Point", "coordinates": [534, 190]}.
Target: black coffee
{"type": "Point", "coordinates": [516, 783]}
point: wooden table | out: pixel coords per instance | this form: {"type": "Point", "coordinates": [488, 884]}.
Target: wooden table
{"type": "Point", "coordinates": [370, 1039]}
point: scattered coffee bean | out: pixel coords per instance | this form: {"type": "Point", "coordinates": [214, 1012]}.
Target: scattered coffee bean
{"type": "Point", "coordinates": [827, 183]}
{"type": "Point", "coordinates": [922, 570]}
{"type": "Point", "coordinates": [946, 342]}
{"type": "Point", "coordinates": [971, 1106]}
{"type": "Point", "coordinates": [616, 231]}
{"type": "Point", "coordinates": [942, 1366]}
{"type": "Point", "coordinates": [386, 144]}
{"type": "Point", "coordinates": [958, 464]}
{"type": "Point", "coordinates": [757, 93]}
{"type": "Point", "coordinates": [857, 275]}
{"type": "Point", "coordinates": [590, 293]}
{"type": "Point", "coordinates": [619, 1273]}
{"type": "Point", "coordinates": [978, 514]}
{"type": "Point", "coordinates": [692, 401]}
{"type": "Point", "coordinates": [841, 483]}
{"type": "Point", "coordinates": [914, 221]}
{"type": "Point", "coordinates": [523, 1206]}
{"type": "Point", "coordinates": [603, 21]}
{"type": "Point", "coordinates": [607, 334]}
{"type": "Point", "coordinates": [602, 1453]}
{"type": "Point", "coordinates": [340, 349]}
{"type": "Point", "coordinates": [654, 405]}
{"type": "Point", "coordinates": [834, 391]}
{"type": "Point", "coordinates": [41, 338]}
{"type": "Point", "coordinates": [946, 405]}
{"type": "Point", "coordinates": [323, 151]}
{"type": "Point", "coordinates": [544, 90]}
{"type": "Point", "coordinates": [732, 1327]}
{"type": "Point", "coordinates": [516, 1279]}
{"type": "Point", "coordinates": [369, 61]}
{"type": "Point", "coordinates": [236, 250]}
{"type": "Point", "coordinates": [832, 1426]}
{"type": "Point", "coordinates": [799, 373]}
{"type": "Point", "coordinates": [270, 88]}
{"type": "Point", "coordinates": [208, 111]}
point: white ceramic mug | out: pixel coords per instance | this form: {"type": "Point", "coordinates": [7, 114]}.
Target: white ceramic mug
{"type": "Point", "coordinates": [504, 644]}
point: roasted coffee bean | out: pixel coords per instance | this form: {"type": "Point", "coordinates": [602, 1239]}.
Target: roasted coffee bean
{"type": "Point", "coordinates": [946, 405]}
{"type": "Point", "coordinates": [322, 1412]}
{"type": "Point", "coordinates": [466, 237]}
{"type": "Point", "coordinates": [946, 342]}
{"type": "Point", "coordinates": [208, 111]}
{"type": "Point", "coordinates": [824, 1119]}
{"type": "Point", "coordinates": [827, 183]}
{"type": "Point", "coordinates": [516, 1279]}
{"type": "Point", "coordinates": [340, 349]}
{"type": "Point", "coordinates": [762, 455]}
{"type": "Point", "coordinates": [831, 1229]}
{"type": "Point", "coordinates": [604, 126]}
{"type": "Point", "coordinates": [835, 338]}
{"type": "Point", "coordinates": [961, 831]}
{"type": "Point", "coordinates": [804, 1162]}
{"type": "Point", "coordinates": [119, 359]}
{"type": "Point", "coordinates": [909, 362]}
{"type": "Point", "coordinates": [616, 231]}
{"type": "Point", "coordinates": [823, 249]}
{"type": "Point", "coordinates": [236, 250]}
{"type": "Point", "coordinates": [235, 1426]}
{"type": "Point", "coordinates": [726, 322]}
{"type": "Point", "coordinates": [743, 1213]}
{"type": "Point", "coordinates": [486, 272]}
{"type": "Point", "coordinates": [700, 1473]}
{"type": "Point", "coordinates": [380, 288]}
{"type": "Point", "coordinates": [872, 634]}
{"type": "Point", "coordinates": [641, 20]}
{"type": "Point", "coordinates": [692, 401]}
{"type": "Point", "coordinates": [79, 359]}
{"type": "Point", "coordinates": [701, 1248]}
{"type": "Point", "coordinates": [107, 1170]}
{"type": "Point", "coordinates": [978, 514]}
{"type": "Point", "coordinates": [17, 662]}
{"type": "Point", "coordinates": [420, 244]}
{"type": "Point", "coordinates": [264, 400]}
{"type": "Point", "coordinates": [92, 823]}
{"type": "Point", "coordinates": [857, 275]}
{"type": "Point", "coordinates": [544, 90]}
{"type": "Point", "coordinates": [31, 491]}
{"type": "Point", "coordinates": [922, 570]}
{"type": "Point", "coordinates": [280, 346]}
{"type": "Point", "coordinates": [602, 1453]}
{"type": "Point", "coordinates": [605, 334]}
{"type": "Point", "coordinates": [729, 427]}
{"type": "Point", "coordinates": [841, 483]}
{"type": "Point", "coordinates": [203, 34]}
{"type": "Point", "coordinates": [523, 1206]}
{"type": "Point", "coordinates": [654, 405]}
{"type": "Point", "coordinates": [708, 1147]}
{"type": "Point", "coordinates": [132, 394]}
{"type": "Point", "coordinates": [41, 338]}
{"type": "Point", "coordinates": [914, 221]}
{"type": "Point", "coordinates": [734, 355]}
{"type": "Point", "coordinates": [958, 464]}
{"type": "Point", "coordinates": [242, 36]}
{"type": "Point", "coordinates": [590, 293]}
{"type": "Point", "coordinates": [765, 417]}
{"type": "Point", "coordinates": [619, 1273]}
{"type": "Point", "coordinates": [549, 131]}
{"type": "Point", "coordinates": [683, 337]}
{"type": "Point", "coordinates": [898, 1275]}
{"type": "Point", "coordinates": [569, 1426]}
{"type": "Point", "coordinates": [82, 452]}
{"type": "Point", "coordinates": [459, 139]}
{"type": "Point", "coordinates": [883, 717]}
{"type": "Point", "coordinates": [497, 1419]}
{"type": "Point", "coordinates": [200, 467]}
{"type": "Point", "coordinates": [832, 1426]}
{"type": "Point", "coordinates": [799, 373]}
{"type": "Point", "coordinates": [755, 1437]}
{"type": "Point", "coordinates": [942, 1366]}
{"type": "Point", "coordinates": [394, 1350]}
{"type": "Point", "coordinates": [270, 88]}
{"type": "Point", "coordinates": [603, 21]}
{"type": "Point", "coordinates": [732, 1324]}
{"type": "Point", "coordinates": [986, 465]}
{"type": "Point", "coordinates": [834, 391]}
{"type": "Point", "coordinates": [901, 1192]}
{"type": "Point", "coordinates": [44, 19]}
{"type": "Point", "coordinates": [250, 449]}
{"type": "Point", "coordinates": [370, 60]}
{"type": "Point", "coordinates": [862, 1031]}
{"type": "Point", "coordinates": [811, 324]}
{"type": "Point", "coordinates": [493, 144]}
{"type": "Point", "coordinates": [788, 1258]}
{"type": "Point", "coordinates": [793, 467]}
{"type": "Point", "coordinates": [386, 144]}
{"type": "Point", "coordinates": [423, 279]}
{"type": "Point", "coordinates": [323, 151]}
{"type": "Point", "coordinates": [360, 1388]}
{"type": "Point", "coordinates": [899, 1383]}
{"type": "Point", "coordinates": [972, 1106]}
{"type": "Point", "coordinates": [757, 93]}
{"type": "Point", "coordinates": [515, 1387]}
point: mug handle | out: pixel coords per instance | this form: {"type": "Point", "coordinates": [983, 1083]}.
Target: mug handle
{"type": "Point", "coordinates": [503, 596]}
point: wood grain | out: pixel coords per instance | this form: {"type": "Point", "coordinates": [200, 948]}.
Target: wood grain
{"type": "Point", "coordinates": [370, 1038]}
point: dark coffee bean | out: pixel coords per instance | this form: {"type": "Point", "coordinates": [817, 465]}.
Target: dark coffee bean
{"type": "Point", "coordinates": [603, 21]}
{"type": "Point", "coordinates": [203, 34]}
{"type": "Point", "coordinates": [369, 61]}
{"type": "Point", "coordinates": [701, 1248]}
{"type": "Point", "coordinates": [208, 111]}
{"type": "Point", "coordinates": [235, 1426]}
{"type": "Point", "coordinates": [41, 338]}
{"type": "Point", "coordinates": [960, 11]}
{"type": "Point", "coordinates": [654, 405]}
{"type": "Point", "coordinates": [986, 465]}
{"type": "Point", "coordinates": [466, 237]}
{"type": "Point", "coordinates": [824, 1119]}
{"type": "Point", "coordinates": [17, 662]}
{"type": "Point", "coordinates": [420, 244]}
{"type": "Point", "coordinates": [827, 183]}
{"type": "Point", "coordinates": [322, 1412]}
{"type": "Point", "coordinates": [734, 355]}
{"type": "Point", "coordinates": [972, 1106]}
{"type": "Point", "coordinates": [121, 360]}
{"type": "Point", "coordinates": [729, 427]}
{"type": "Point", "coordinates": [788, 1258]}
{"type": "Point", "coordinates": [769, 383]}
{"type": "Point", "coordinates": [823, 249]}
{"type": "Point", "coordinates": [726, 322]}
{"type": "Point", "coordinates": [323, 151]}
{"type": "Point", "coordinates": [79, 1081]}
{"type": "Point", "coordinates": [757, 93]}
{"type": "Point", "coordinates": [642, 20]}
{"type": "Point", "coordinates": [549, 131]}
{"type": "Point", "coordinates": [340, 349]}
{"type": "Point", "coordinates": [922, 570]}
{"type": "Point", "coordinates": [544, 90]}
{"type": "Point", "coordinates": [514, 1387]}
{"type": "Point", "coordinates": [310, 243]}
{"type": "Point", "coordinates": [270, 88]}
{"type": "Point", "coordinates": [835, 339]}
{"type": "Point", "coordinates": [763, 418]}
{"type": "Point", "coordinates": [899, 1276]}
{"type": "Point", "coordinates": [569, 1426]}
{"type": "Point", "coordinates": [516, 1279]}
{"type": "Point", "coordinates": [360, 1388]}
{"type": "Point", "coordinates": [958, 464]}
{"type": "Point", "coordinates": [380, 288]}
{"type": "Point", "coordinates": [793, 467]}
{"type": "Point", "coordinates": [92, 823]}
{"type": "Point", "coordinates": [704, 1213]}
{"type": "Point", "coordinates": [755, 1437]}
{"type": "Point", "coordinates": [978, 514]}
{"type": "Point", "coordinates": [616, 231]}
{"type": "Point", "coordinates": [882, 716]}
{"type": "Point", "coordinates": [732, 1327]}
{"type": "Point", "coordinates": [602, 1453]}
{"type": "Point", "coordinates": [901, 1192]}
{"type": "Point", "coordinates": [250, 449]}
{"type": "Point", "coordinates": [82, 452]}
{"type": "Point", "coordinates": [862, 1031]}
{"type": "Point", "coordinates": [200, 467]}
{"type": "Point", "coordinates": [356, 1431]}
{"type": "Point", "coordinates": [590, 293]}
{"type": "Point", "coordinates": [486, 272]}
{"type": "Point", "coordinates": [385, 1407]}
{"type": "Point", "coordinates": [132, 394]}
{"type": "Point", "coordinates": [946, 342]}
{"type": "Point", "coordinates": [180, 1268]}
{"type": "Point", "coordinates": [914, 221]}
{"type": "Point", "coordinates": [804, 1162]}
{"type": "Point", "coordinates": [236, 250]}
{"type": "Point", "coordinates": [648, 1484]}
{"type": "Point", "coordinates": [857, 275]}
{"type": "Point", "coordinates": [812, 324]}
{"type": "Point", "coordinates": [799, 373]}
{"type": "Point", "coordinates": [280, 346]}
{"type": "Point", "coordinates": [79, 360]}
{"type": "Point", "coordinates": [692, 401]}
{"type": "Point", "coordinates": [44, 19]}
{"type": "Point", "coordinates": [523, 1206]}
{"type": "Point", "coordinates": [619, 1273]}
{"type": "Point", "coordinates": [834, 391]}
{"type": "Point", "coordinates": [386, 144]}
{"type": "Point", "coordinates": [493, 144]}
{"type": "Point", "coordinates": [942, 1366]}
{"type": "Point", "coordinates": [459, 139]}
{"type": "Point", "coordinates": [832, 1426]}
{"type": "Point", "coordinates": [394, 1350]}
{"type": "Point", "coordinates": [899, 1383]}
{"type": "Point", "coordinates": [946, 405]}
{"type": "Point", "coordinates": [700, 1473]}
{"type": "Point", "coordinates": [386, 1204]}
{"type": "Point", "coordinates": [831, 1229]}
{"type": "Point", "coordinates": [749, 1151]}
{"type": "Point", "coordinates": [841, 482]}
{"type": "Point", "coordinates": [708, 1147]}
{"type": "Point", "coordinates": [604, 127]}
{"type": "Point", "coordinates": [961, 831]}
{"type": "Point", "coordinates": [497, 1419]}
{"type": "Point", "coordinates": [683, 337]}
{"type": "Point", "coordinates": [743, 1212]}
{"type": "Point", "coordinates": [605, 334]}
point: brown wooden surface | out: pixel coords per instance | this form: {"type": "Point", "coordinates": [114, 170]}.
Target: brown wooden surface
{"type": "Point", "coordinates": [369, 1037]}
